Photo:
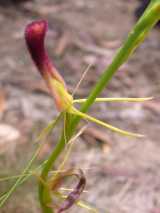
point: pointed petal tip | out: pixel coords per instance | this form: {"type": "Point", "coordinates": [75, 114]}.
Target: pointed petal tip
{"type": "Point", "coordinates": [133, 135]}
{"type": "Point", "coordinates": [136, 135]}
{"type": "Point", "coordinates": [140, 136]}
{"type": "Point", "coordinates": [149, 98]}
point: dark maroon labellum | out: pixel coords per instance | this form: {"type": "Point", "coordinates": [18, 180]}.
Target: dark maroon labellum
{"type": "Point", "coordinates": [35, 35]}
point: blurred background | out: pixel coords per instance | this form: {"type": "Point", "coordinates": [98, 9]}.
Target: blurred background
{"type": "Point", "coordinates": [122, 173]}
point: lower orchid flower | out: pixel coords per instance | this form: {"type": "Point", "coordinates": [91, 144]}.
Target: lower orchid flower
{"type": "Point", "coordinates": [35, 36]}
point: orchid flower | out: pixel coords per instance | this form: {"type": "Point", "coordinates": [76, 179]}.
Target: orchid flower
{"type": "Point", "coordinates": [35, 37]}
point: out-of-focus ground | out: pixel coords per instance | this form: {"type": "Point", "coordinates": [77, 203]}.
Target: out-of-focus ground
{"type": "Point", "coordinates": [122, 173]}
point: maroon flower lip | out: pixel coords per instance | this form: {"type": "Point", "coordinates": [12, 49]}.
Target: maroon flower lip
{"type": "Point", "coordinates": [35, 36]}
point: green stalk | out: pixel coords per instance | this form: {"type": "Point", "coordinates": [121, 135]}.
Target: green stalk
{"type": "Point", "coordinates": [135, 37]}
{"type": "Point", "coordinates": [44, 194]}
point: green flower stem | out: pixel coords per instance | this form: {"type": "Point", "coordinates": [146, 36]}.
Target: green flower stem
{"type": "Point", "coordinates": [135, 37]}
{"type": "Point", "coordinates": [44, 194]}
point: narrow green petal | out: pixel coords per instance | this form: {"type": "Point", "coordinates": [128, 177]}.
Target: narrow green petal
{"type": "Point", "coordinates": [106, 125]}
{"type": "Point", "coordinates": [115, 100]}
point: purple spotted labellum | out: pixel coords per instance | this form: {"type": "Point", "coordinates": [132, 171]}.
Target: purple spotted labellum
{"type": "Point", "coordinates": [35, 37]}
